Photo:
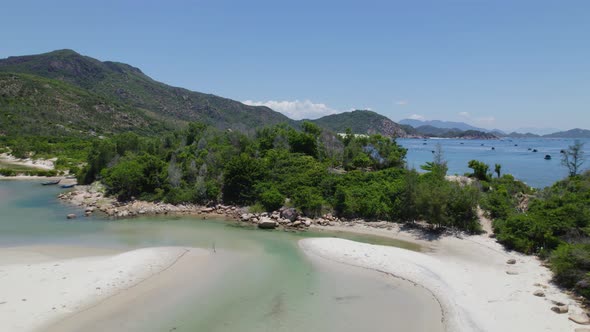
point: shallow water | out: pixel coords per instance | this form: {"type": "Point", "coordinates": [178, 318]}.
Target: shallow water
{"type": "Point", "coordinates": [513, 154]}
{"type": "Point", "coordinates": [271, 287]}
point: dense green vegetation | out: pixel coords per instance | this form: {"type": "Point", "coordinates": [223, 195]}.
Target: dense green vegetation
{"type": "Point", "coordinates": [309, 169]}
{"type": "Point", "coordinates": [553, 223]}
{"type": "Point", "coordinates": [555, 226]}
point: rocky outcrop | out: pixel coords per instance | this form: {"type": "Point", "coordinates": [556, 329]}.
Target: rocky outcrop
{"type": "Point", "coordinates": [93, 199]}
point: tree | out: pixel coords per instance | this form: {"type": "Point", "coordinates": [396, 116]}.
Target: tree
{"type": "Point", "coordinates": [497, 169]}
{"type": "Point", "coordinates": [438, 166]}
{"type": "Point", "coordinates": [134, 176]}
{"type": "Point", "coordinates": [21, 148]}
{"type": "Point", "coordinates": [272, 199]}
{"type": "Point", "coordinates": [99, 156]}
{"type": "Point", "coordinates": [573, 158]}
{"type": "Point", "coordinates": [480, 170]}
{"type": "Point", "coordinates": [241, 174]}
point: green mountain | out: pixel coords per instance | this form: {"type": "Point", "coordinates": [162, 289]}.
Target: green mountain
{"type": "Point", "coordinates": [361, 122]}
{"type": "Point", "coordinates": [573, 133]}
{"type": "Point", "coordinates": [121, 87]}
{"type": "Point", "coordinates": [431, 131]}
{"type": "Point", "coordinates": [37, 106]}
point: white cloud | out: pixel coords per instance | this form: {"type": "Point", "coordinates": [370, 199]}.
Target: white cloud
{"type": "Point", "coordinates": [416, 117]}
{"type": "Point", "coordinates": [402, 102]}
{"type": "Point", "coordinates": [297, 109]}
{"type": "Point", "coordinates": [465, 114]}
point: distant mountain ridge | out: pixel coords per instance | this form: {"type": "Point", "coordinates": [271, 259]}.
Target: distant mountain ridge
{"type": "Point", "coordinates": [572, 133]}
{"type": "Point", "coordinates": [445, 128]}
{"type": "Point", "coordinates": [441, 124]}
{"type": "Point", "coordinates": [431, 131]}
{"type": "Point", "coordinates": [122, 84]}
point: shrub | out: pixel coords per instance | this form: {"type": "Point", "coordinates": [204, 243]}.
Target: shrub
{"type": "Point", "coordinates": [7, 172]}
{"type": "Point", "coordinates": [570, 264]}
{"type": "Point", "coordinates": [272, 199]}
{"type": "Point", "coordinates": [309, 201]}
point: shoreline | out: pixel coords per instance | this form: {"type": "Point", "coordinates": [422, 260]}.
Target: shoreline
{"type": "Point", "coordinates": [471, 278]}
{"type": "Point", "coordinates": [43, 164]}
{"type": "Point", "coordinates": [41, 290]}
{"type": "Point", "coordinates": [478, 255]}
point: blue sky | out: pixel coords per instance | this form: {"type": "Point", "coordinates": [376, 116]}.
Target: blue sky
{"type": "Point", "coordinates": [494, 64]}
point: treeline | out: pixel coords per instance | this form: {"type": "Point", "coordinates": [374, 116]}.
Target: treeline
{"type": "Point", "coordinates": [312, 170]}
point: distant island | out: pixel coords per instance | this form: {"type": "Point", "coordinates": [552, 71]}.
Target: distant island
{"type": "Point", "coordinates": [448, 129]}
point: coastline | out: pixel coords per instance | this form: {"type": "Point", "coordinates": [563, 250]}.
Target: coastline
{"type": "Point", "coordinates": [41, 290]}
{"type": "Point", "coordinates": [470, 277]}
{"type": "Point", "coordinates": [44, 164]}
{"type": "Point", "coordinates": [490, 293]}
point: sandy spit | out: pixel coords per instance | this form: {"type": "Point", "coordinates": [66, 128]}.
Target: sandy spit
{"type": "Point", "coordinates": [40, 292]}
{"type": "Point", "coordinates": [470, 277]}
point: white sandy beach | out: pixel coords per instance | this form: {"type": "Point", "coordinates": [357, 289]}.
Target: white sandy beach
{"type": "Point", "coordinates": [46, 164]}
{"type": "Point", "coordinates": [477, 289]}
{"type": "Point", "coordinates": [37, 290]}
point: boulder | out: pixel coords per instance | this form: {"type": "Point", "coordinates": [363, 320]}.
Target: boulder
{"type": "Point", "coordinates": [207, 210]}
{"type": "Point", "coordinates": [539, 293]}
{"type": "Point", "coordinates": [267, 223]}
{"type": "Point", "coordinates": [511, 261]}
{"type": "Point", "coordinates": [71, 216]}
{"type": "Point", "coordinates": [307, 222]}
{"type": "Point", "coordinates": [562, 309]}
{"type": "Point", "coordinates": [296, 223]}
{"type": "Point", "coordinates": [290, 214]}
{"type": "Point", "coordinates": [246, 216]}
{"type": "Point", "coordinates": [581, 319]}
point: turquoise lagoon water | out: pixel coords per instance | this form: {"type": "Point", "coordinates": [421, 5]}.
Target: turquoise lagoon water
{"type": "Point", "coordinates": [271, 287]}
{"type": "Point", "coordinates": [513, 154]}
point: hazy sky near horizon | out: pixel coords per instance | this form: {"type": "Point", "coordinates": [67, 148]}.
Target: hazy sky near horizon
{"type": "Point", "coordinates": [494, 64]}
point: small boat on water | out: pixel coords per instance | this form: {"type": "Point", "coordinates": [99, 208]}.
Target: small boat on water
{"type": "Point", "coordinates": [65, 186]}
{"type": "Point", "coordinates": [547, 157]}
{"type": "Point", "coordinates": [51, 183]}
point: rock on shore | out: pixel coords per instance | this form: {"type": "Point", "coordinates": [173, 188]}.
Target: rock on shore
{"type": "Point", "coordinates": [93, 200]}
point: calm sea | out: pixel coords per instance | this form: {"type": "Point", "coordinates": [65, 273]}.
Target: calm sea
{"type": "Point", "coordinates": [515, 155]}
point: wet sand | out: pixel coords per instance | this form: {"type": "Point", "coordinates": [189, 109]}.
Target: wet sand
{"type": "Point", "coordinates": [470, 278]}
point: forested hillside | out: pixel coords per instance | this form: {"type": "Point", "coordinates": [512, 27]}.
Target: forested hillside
{"type": "Point", "coordinates": [120, 87]}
